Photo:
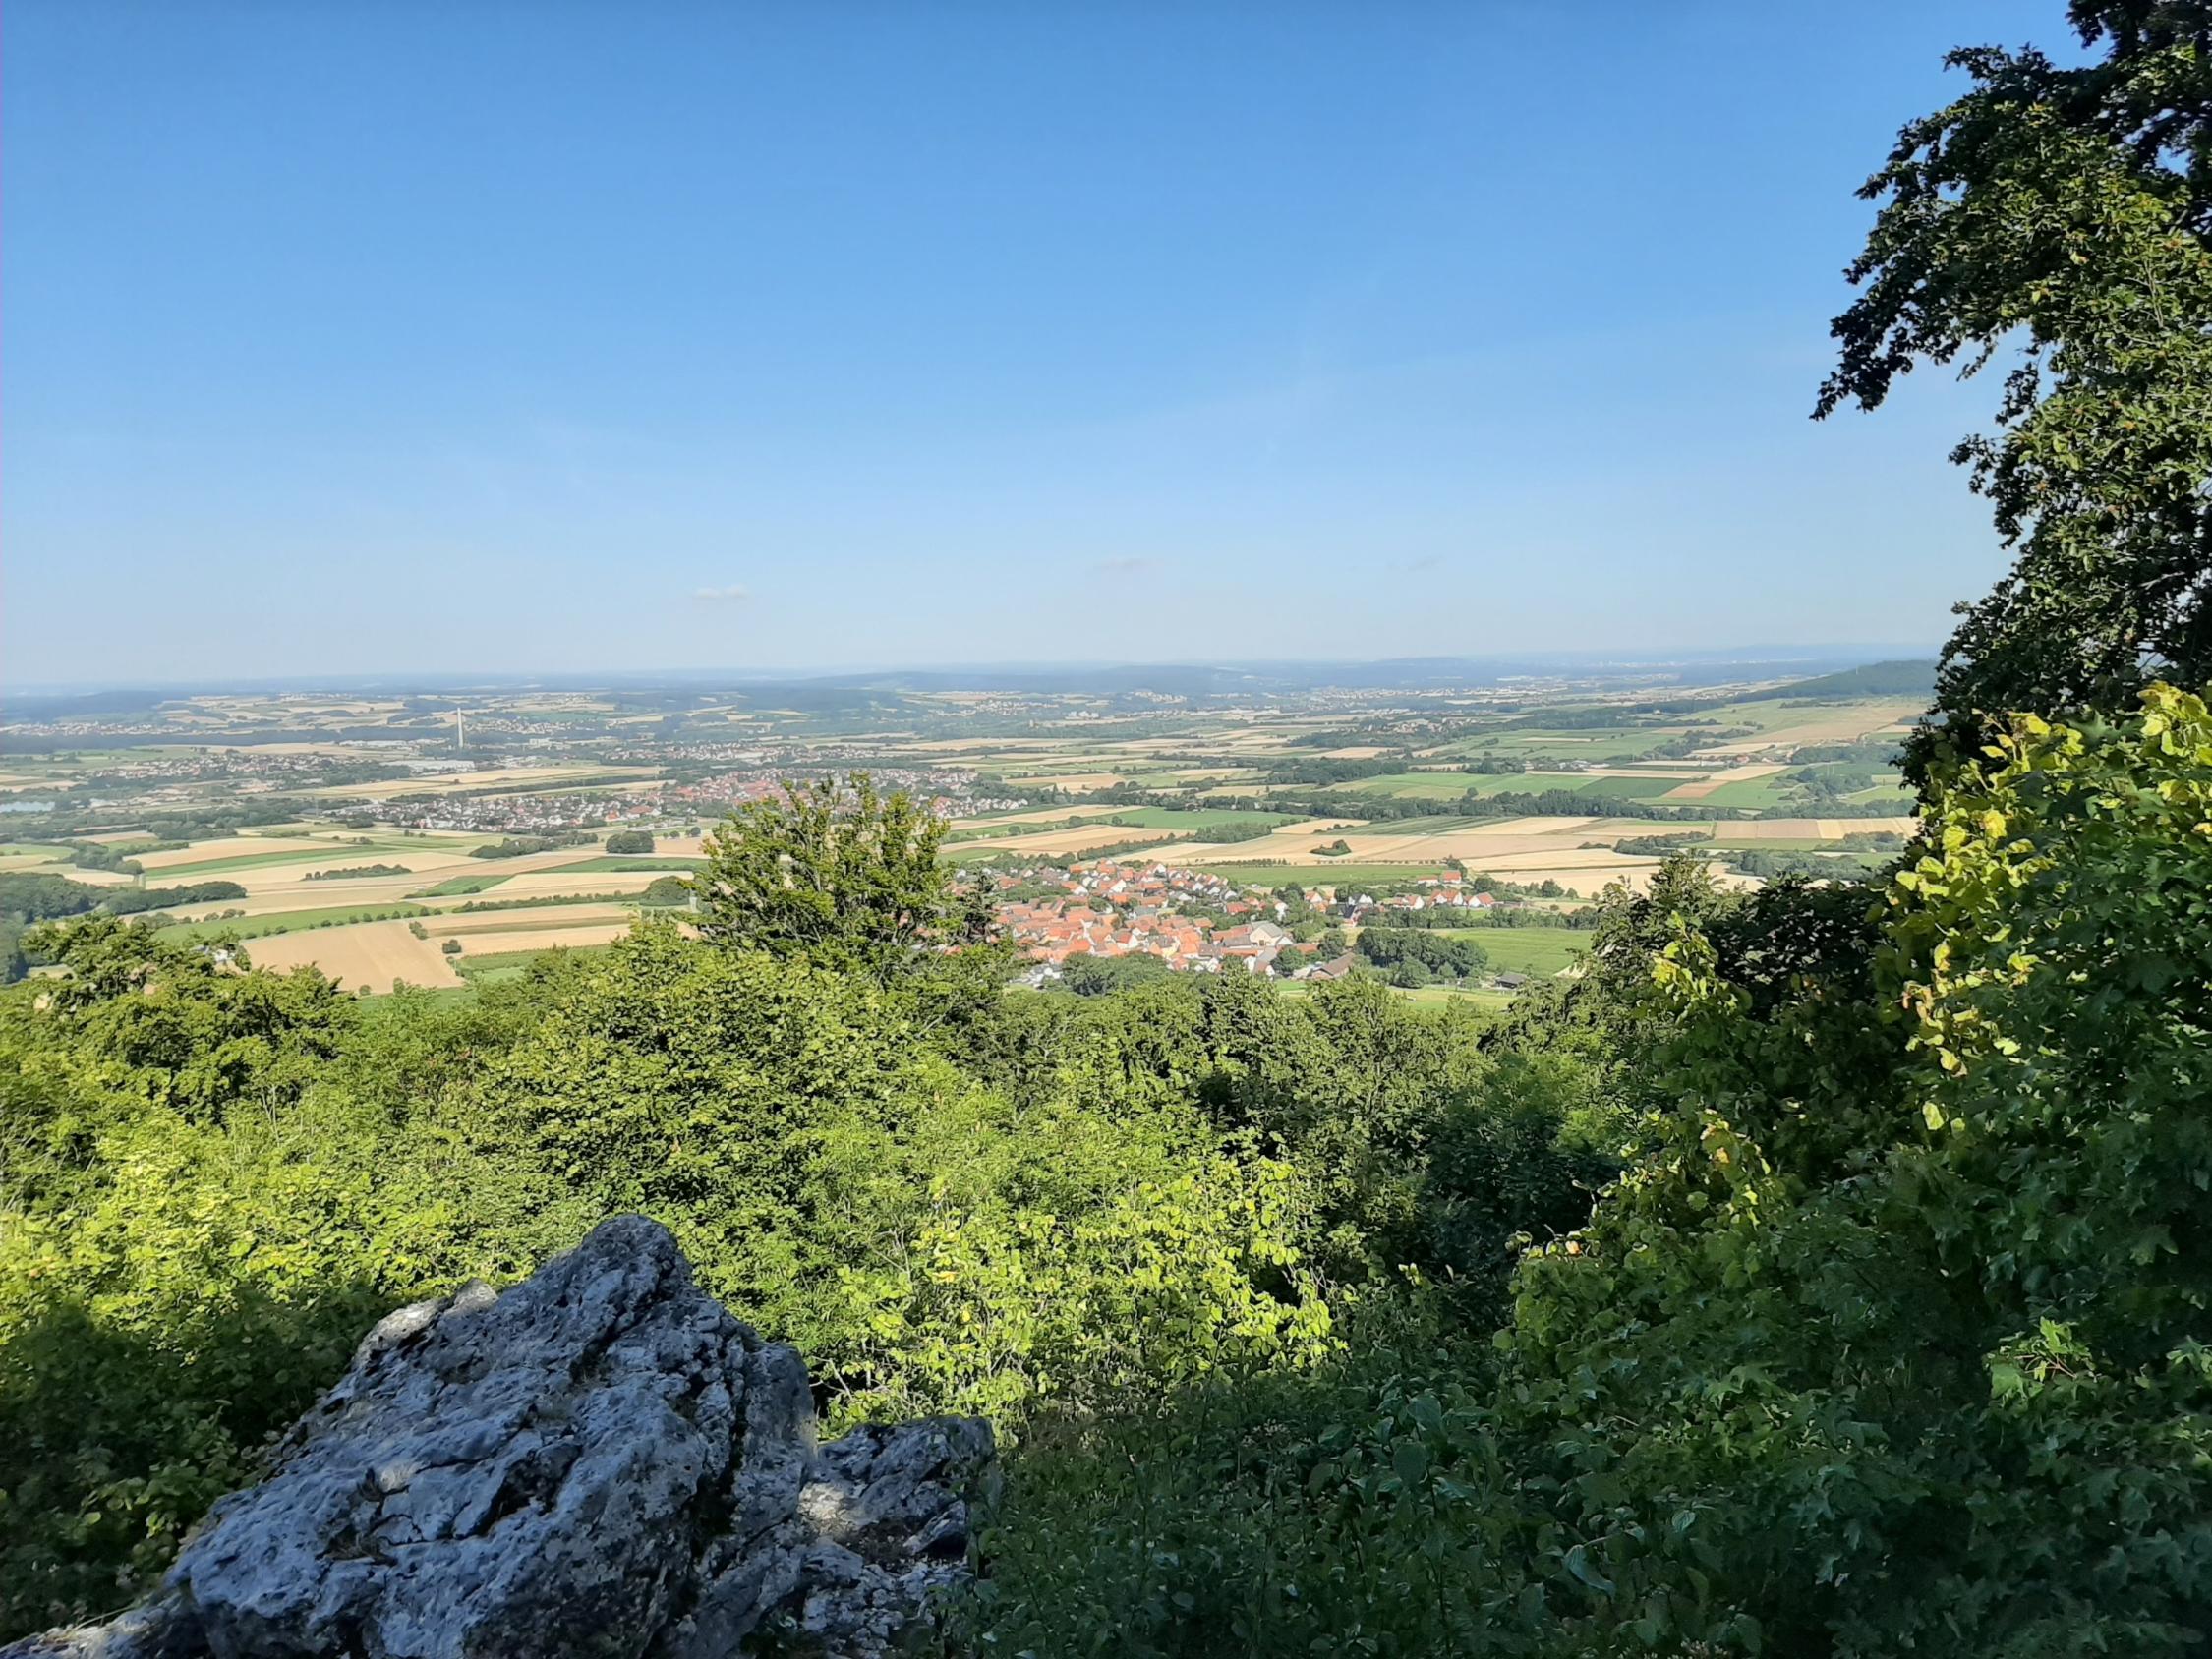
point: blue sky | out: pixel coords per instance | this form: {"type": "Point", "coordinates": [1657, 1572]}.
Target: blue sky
{"type": "Point", "coordinates": [350, 338]}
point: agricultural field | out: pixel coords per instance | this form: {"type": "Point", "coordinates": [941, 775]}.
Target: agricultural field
{"type": "Point", "coordinates": [289, 921]}
{"type": "Point", "coordinates": [1573, 851]}
{"type": "Point", "coordinates": [343, 818]}
{"type": "Point", "coordinates": [1538, 952]}
{"type": "Point", "coordinates": [367, 957]}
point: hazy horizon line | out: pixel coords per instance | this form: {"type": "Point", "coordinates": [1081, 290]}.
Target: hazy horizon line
{"type": "Point", "coordinates": [464, 678]}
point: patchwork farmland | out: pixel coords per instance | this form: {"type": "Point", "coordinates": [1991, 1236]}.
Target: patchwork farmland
{"type": "Point", "coordinates": [356, 842]}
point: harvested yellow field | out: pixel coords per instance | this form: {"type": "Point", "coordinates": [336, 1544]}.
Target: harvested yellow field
{"type": "Point", "coordinates": [1555, 825]}
{"type": "Point", "coordinates": [232, 846]}
{"type": "Point", "coordinates": [1734, 831]}
{"type": "Point", "coordinates": [1842, 725]}
{"type": "Point", "coordinates": [1286, 841]}
{"type": "Point", "coordinates": [100, 878]}
{"type": "Point", "coordinates": [544, 939]}
{"type": "Point", "coordinates": [1714, 780]}
{"type": "Point", "coordinates": [462, 923]}
{"type": "Point", "coordinates": [365, 954]}
{"type": "Point", "coordinates": [419, 867]}
{"type": "Point", "coordinates": [544, 882]}
{"type": "Point", "coordinates": [1510, 843]}
{"type": "Point", "coordinates": [374, 890]}
{"type": "Point", "coordinates": [283, 887]}
{"type": "Point", "coordinates": [1847, 726]}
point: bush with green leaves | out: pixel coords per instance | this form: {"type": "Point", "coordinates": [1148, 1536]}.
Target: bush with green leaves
{"type": "Point", "coordinates": [215, 1179]}
{"type": "Point", "coordinates": [1906, 1305]}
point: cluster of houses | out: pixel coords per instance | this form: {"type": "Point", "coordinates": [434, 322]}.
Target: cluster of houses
{"type": "Point", "coordinates": [1111, 908]}
{"type": "Point", "coordinates": [1446, 891]}
{"type": "Point", "coordinates": [524, 814]}
{"type": "Point", "coordinates": [950, 793]}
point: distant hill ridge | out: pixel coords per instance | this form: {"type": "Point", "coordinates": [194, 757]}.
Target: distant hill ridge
{"type": "Point", "coordinates": [1905, 677]}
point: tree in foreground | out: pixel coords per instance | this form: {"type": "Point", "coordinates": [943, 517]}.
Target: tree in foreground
{"type": "Point", "coordinates": [2063, 211]}
{"type": "Point", "coordinates": [834, 872]}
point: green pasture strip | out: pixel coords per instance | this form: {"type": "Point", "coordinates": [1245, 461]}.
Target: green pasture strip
{"type": "Point", "coordinates": [289, 921]}
{"type": "Point", "coordinates": [1768, 791]}
{"type": "Point", "coordinates": [169, 873]}
{"type": "Point", "coordinates": [330, 852]}
{"type": "Point", "coordinates": [478, 967]}
{"type": "Point", "coordinates": [459, 885]}
{"type": "Point", "coordinates": [1177, 817]}
{"type": "Point", "coordinates": [1536, 951]}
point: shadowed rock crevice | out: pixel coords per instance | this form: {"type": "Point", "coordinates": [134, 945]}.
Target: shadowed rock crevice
{"type": "Point", "coordinates": [601, 1461]}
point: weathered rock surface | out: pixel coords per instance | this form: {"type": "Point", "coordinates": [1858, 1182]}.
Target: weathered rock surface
{"type": "Point", "coordinates": [599, 1462]}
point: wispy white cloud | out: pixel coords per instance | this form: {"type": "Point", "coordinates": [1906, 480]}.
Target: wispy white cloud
{"type": "Point", "coordinates": [1427, 562]}
{"type": "Point", "coordinates": [736, 592]}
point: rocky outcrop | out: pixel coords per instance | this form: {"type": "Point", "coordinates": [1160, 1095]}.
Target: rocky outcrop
{"type": "Point", "coordinates": [599, 1462]}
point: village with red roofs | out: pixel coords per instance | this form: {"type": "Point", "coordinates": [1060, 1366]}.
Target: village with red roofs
{"type": "Point", "coordinates": [1191, 920]}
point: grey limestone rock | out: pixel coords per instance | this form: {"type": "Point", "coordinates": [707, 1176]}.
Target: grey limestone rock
{"type": "Point", "coordinates": [599, 1462]}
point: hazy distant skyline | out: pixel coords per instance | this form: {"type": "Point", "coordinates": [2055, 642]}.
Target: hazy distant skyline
{"type": "Point", "coordinates": [354, 339]}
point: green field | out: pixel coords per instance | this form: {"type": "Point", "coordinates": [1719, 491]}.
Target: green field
{"type": "Point", "coordinates": [33, 852]}
{"type": "Point", "coordinates": [1536, 951]}
{"type": "Point", "coordinates": [512, 965]}
{"type": "Point", "coordinates": [1599, 744]}
{"type": "Point", "coordinates": [336, 853]}
{"type": "Point", "coordinates": [1756, 792]}
{"type": "Point", "coordinates": [170, 872]}
{"type": "Point", "coordinates": [1214, 777]}
{"type": "Point", "coordinates": [1437, 997]}
{"type": "Point", "coordinates": [461, 884]}
{"type": "Point", "coordinates": [289, 921]}
{"type": "Point", "coordinates": [1424, 785]}
{"type": "Point", "coordinates": [1896, 791]}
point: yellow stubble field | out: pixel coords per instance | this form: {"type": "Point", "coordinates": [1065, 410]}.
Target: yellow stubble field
{"type": "Point", "coordinates": [1738, 831]}
{"type": "Point", "coordinates": [365, 955]}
